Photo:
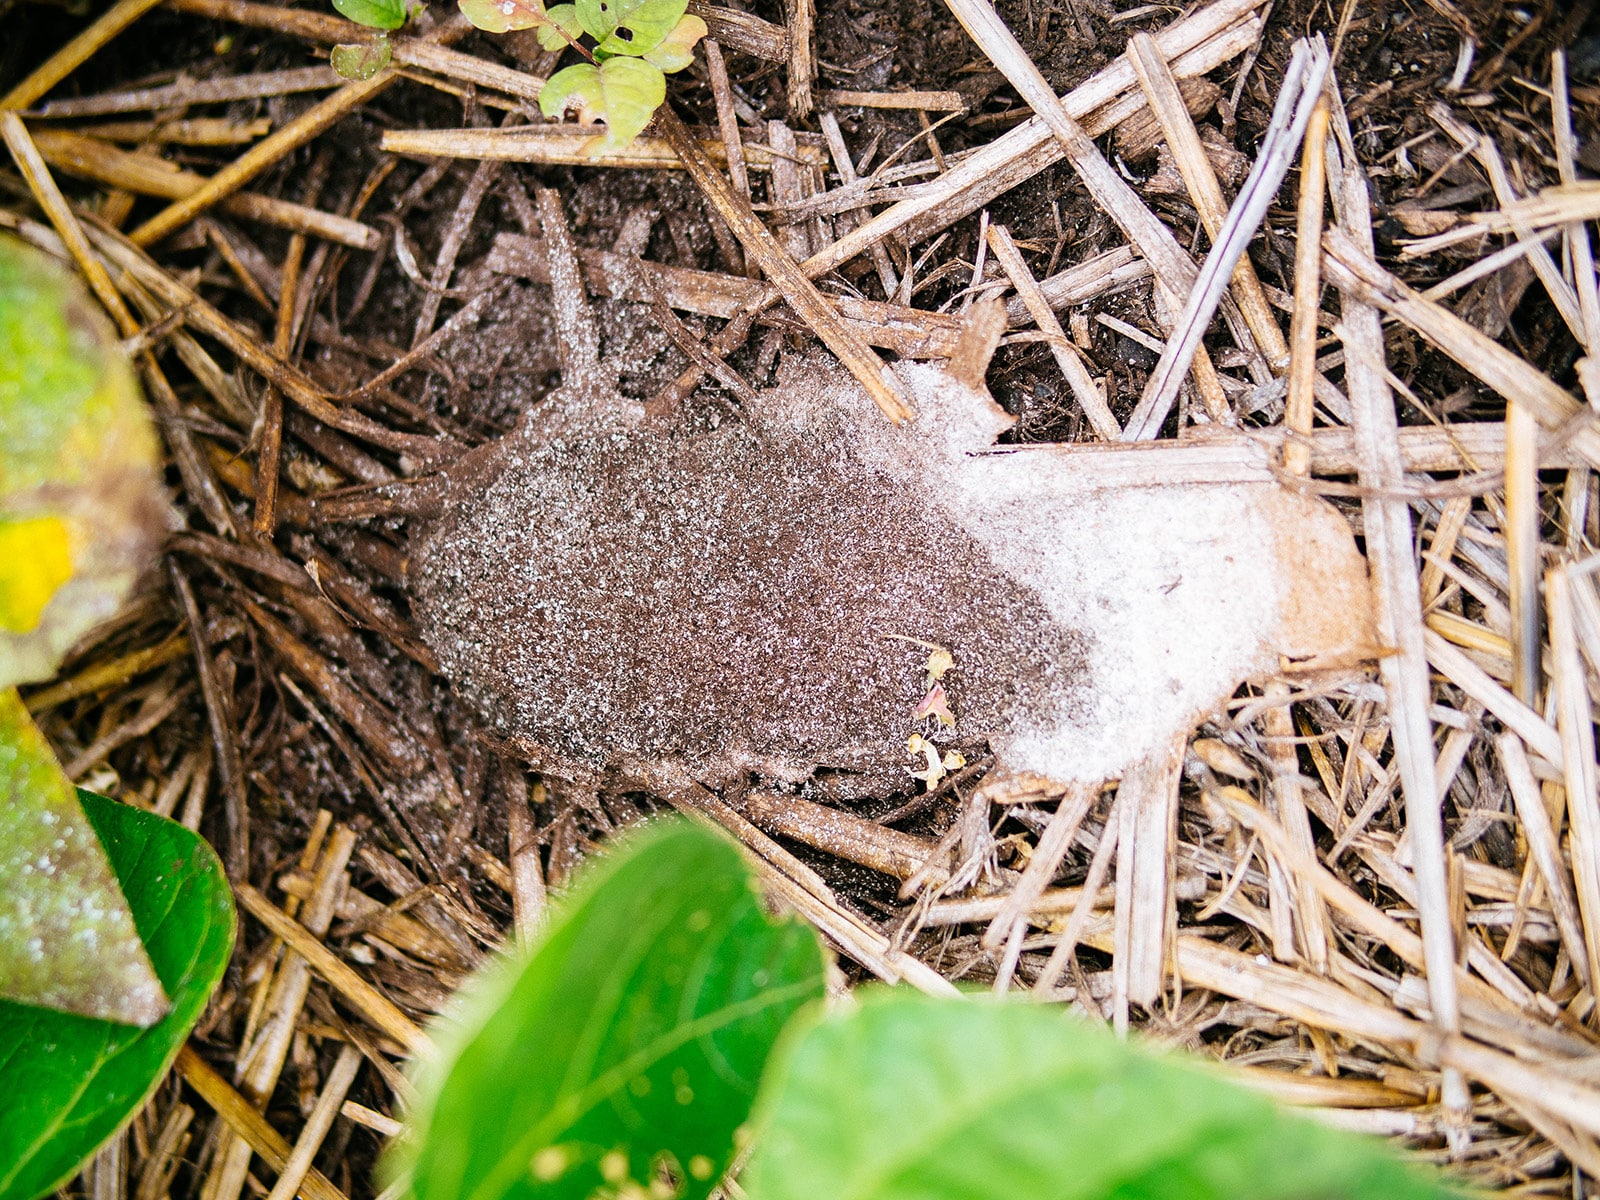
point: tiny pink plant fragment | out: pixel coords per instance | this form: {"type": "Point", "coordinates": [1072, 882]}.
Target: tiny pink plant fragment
{"type": "Point", "coordinates": [935, 704]}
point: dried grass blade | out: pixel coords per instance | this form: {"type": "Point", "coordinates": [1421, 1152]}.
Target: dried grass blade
{"type": "Point", "coordinates": [1302, 86]}
{"type": "Point", "coordinates": [1397, 594]}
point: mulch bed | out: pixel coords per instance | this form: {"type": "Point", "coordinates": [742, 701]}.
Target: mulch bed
{"type": "Point", "coordinates": [350, 286]}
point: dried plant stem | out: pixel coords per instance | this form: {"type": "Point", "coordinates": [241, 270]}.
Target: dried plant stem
{"type": "Point", "coordinates": [1523, 548]}
{"type": "Point", "coordinates": [360, 994]}
{"type": "Point", "coordinates": [1397, 595]}
{"type": "Point", "coordinates": [1307, 291]}
{"type": "Point", "coordinates": [1066, 354]}
{"type": "Point", "coordinates": [318, 1123]}
{"type": "Point", "coordinates": [797, 289]}
{"type": "Point", "coordinates": [1302, 88]}
{"type": "Point", "coordinates": [1583, 272]}
{"type": "Point", "coordinates": [261, 156]}
{"type": "Point", "coordinates": [1147, 807]}
{"type": "Point", "coordinates": [75, 53]}
{"type": "Point", "coordinates": [243, 1119]}
{"type": "Point", "coordinates": [1177, 126]}
{"type": "Point", "coordinates": [1544, 851]}
{"type": "Point", "coordinates": [1353, 271]}
{"type": "Point", "coordinates": [1214, 33]}
{"type": "Point", "coordinates": [1575, 719]}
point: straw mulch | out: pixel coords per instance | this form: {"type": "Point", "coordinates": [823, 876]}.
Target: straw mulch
{"type": "Point", "coordinates": [1374, 892]}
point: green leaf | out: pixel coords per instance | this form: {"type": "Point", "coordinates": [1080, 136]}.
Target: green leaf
{"type": "Point", "coordinates": [375, 14]}
{"type": "Point", "coordinates": [628, 1043]}
{"type": "Point", "coordinates": [361, 60]}
{"type": "Point", "coordinates": [676, 50]}
{"type": "Point", "coordinates": [911, 1097]}
{"type": "Point", "coordinates": [622, 92]}
{"type": "Point", "coordinates": [67, 938]}
{"type": "Point", "coordinates": [502, 16]}
{"type": "Point", "coordinates": [629, 26]}
{"type": "Point", "coordinates": [562, 19]}
{"type": "Point", "coordinates": [71, 1082]}
{"type": "Point", "coordinates": [80, 500]}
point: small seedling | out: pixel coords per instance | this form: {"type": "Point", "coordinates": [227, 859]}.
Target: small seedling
{"type": "Point", "coordinates": [363, 60]}
{"type": "Point", "coordinates": [631, 46]}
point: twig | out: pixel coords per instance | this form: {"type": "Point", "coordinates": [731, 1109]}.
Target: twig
{"type": "Point", "coordinates": [1307, 290]}
{"type": "Point", "coordinates": [1399, 607]}
{"type": "Point", "coordinates": [1166, 102]}
{"type": "Point", "coordinates": [1544, 850]}
{"type": "Point", "coordinates": [237, 1113]}
{"type": "Point", "coordinates": [1193, 45]}
{"type": "Point", "coordinates": [1302, 86]}
{"type": "Point", "coordinates": [75, 53]}
{"type": "Point", "coordinates": [185, 92]}
{"type": "Point", "coordinates": [802, 295]}
{"type": "Point", "coordinates": [1575, 719]}
{"type": "Point", "coordinates": [1066, 354]}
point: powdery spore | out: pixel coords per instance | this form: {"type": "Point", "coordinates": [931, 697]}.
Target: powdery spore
{"type": "Point", "coordinates": [724, 598]}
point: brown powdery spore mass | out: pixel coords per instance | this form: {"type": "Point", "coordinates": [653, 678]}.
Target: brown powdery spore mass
{"type": "Point", "coordinates": [762, 595]}
{"type": "Point", "coordinates": [726, 598]}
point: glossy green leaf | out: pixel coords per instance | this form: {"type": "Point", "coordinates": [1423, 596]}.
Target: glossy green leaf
{"type": "Point", "coordinates": [913, 1098]}
{"type": "Point", "coordinates": [626, 1046]}
{"type": "Point", "coordinates": [502, 16]}
{"type": "Point", "coordinates": [361, 60]}
{"type": "Point", "coordinates": [67, 937]}
{"type": "Point", "coordinates": [80, 498]}
{"type": "Point", "coordinates": [375, 14]}
{"type": "Point", "coordinates": [70, 1082]}
{"type": "Point", "coordinates": [622, 92]}
{"type": "Point", "coordinates": [629, 26]}
{"type": "Point", "coordinates": [561, 28]}
{"type": "Point", "coordinates": [676, 50]}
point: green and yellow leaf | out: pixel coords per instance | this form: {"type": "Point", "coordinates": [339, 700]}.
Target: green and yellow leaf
{"type": "Point", "coordinates": [80, 499]}
{"type": "Point", "coordinates": [676, 50]}
{"type": "Point", "coordinates": [361, 60]}
{"type": "Point", "coordinates": [622, 92]}
{"type": "Point", "coordinates": [561, 27]}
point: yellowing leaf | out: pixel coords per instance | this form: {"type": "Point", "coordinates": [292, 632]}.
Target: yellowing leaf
{"type": "Point", "coordinates": [78, 452]}
{"type": "Point", "coordinates": [676, 50]}
{"type": "Point", "coordinates": [934, 771]}
{"type": "Point", "coordinates": [622, 92]}
{"type": "Point", "coordinates": [560, 27]}
{"type": "Point", "coordinates": [502, 16]}
{"type": "Point", "coordinates": [67, 939]}
{"type": "Point", "coordinates": [633, 27]}
{"type": "Point", "coordinates": [940, 661]}
{"type": "Point", "coordinates": [35, 560]}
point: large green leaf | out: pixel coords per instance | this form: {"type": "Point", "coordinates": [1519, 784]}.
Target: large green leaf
{"type": "Point", "coordinates": [626, 1045]}
{"type": "Point", "coordinates": [911, 1098]}
{"type": "Point", "coordinates": [80, 499]}
{"type": "Point", "coordinates": [68, 1082]}
{"type": "Point", "coordinates": [67, 937]}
